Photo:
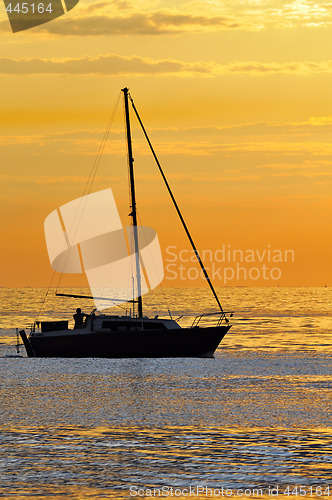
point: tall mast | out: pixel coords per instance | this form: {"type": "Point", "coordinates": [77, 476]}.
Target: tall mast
{"type": "Point", "coordinates": [133, 202]}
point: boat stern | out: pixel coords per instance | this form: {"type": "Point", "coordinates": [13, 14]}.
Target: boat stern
{"type": "Point", "coordinates": [27, 344]}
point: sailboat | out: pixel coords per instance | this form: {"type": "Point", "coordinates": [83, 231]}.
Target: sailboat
{"type": "Point", "coordinates": [134, 335]}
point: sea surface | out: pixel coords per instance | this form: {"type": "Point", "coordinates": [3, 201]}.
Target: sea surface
{"type": "Point", "coordinates": [254, 422]}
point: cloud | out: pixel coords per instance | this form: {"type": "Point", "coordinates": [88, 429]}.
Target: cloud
{"type": "Point", "coordinates": [282, 14]}
{"type": "Point", "coordinates": [321, 120]}
{"type": "Point", "coordinates": [155, 23]}
{"type": "Point", "coordinates": [272, 158]}
{"type": "Point", "coordinates": [112, 64]}
{"type": "Point", "coordinates": [122, 17]}
{"type": "Point", "coordinates": [97, 6]}
{"type": "Point", "coordinates": [247, 138]}
{"type": "Point", "coordinates": [102, 65]}
{"type": "Point", "coordinates": [98, 19]}
{"type": "Point", "coordinates": [290, 68]}
{"type": "Point", "coordinates": [254, 150]}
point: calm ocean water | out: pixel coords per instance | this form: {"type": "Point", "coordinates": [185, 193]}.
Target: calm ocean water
{"type": "Point", "coordinates": [255, 421]}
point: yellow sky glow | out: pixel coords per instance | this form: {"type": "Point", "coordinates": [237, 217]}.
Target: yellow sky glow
{"type": "Point", "coordinates": [236, 98]}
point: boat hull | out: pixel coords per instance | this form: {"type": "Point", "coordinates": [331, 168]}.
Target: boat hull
{"type": "Point", "coordinates": [184, 342]}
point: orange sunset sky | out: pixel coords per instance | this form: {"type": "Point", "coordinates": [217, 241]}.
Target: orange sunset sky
{"type": "Point", "coordinates": [236, 96]}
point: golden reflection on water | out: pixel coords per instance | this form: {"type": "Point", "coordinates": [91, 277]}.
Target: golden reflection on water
{"type": "Point", "coordinates": [104, 462]}
{"type": "Point", "coordinates": [157, 493]}
{"type": "Point", "coordinates": [258, 414]}
{"type": "Point", "coordinates": [265, 318]}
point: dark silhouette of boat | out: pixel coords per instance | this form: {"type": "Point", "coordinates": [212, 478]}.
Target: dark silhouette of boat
{"type": "Point", "coordinates": [134, 336]}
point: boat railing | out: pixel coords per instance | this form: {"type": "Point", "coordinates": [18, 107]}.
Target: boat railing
{"type": "Point", "coordinates": [221, 317]}
{"type": "Point", "coordinates": [32, 327]}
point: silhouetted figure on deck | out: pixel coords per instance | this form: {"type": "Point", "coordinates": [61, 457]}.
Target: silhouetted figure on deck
{"type": "Point", "coordinates": [79, 318]}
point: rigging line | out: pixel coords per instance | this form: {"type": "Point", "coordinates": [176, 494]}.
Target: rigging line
{"type": "Point", "coordinates": [121, 307]}
{"type": "Point", "coordinates": [90, 180]}
{"type": "Point", "coordinates": [87, 189]}
{"type": "Point", "coordinates": [45, 296]}
{"type": "Point", "coordinates": [177, 208]}
{"type": "Point", "coordinates": [101, 147]}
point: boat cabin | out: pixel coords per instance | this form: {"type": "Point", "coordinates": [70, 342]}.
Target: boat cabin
{"type": "Point", "coordinates": [104, 323]}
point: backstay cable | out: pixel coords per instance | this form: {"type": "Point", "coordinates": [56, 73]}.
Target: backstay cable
{"type": "Point", "coordinates": [177, 209]}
